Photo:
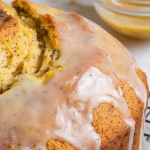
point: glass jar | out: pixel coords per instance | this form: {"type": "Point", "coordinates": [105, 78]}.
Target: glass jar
{"type": "Point", "coordinates": [130, 17]}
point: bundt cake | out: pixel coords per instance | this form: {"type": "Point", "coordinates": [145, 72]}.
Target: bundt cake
{"type": "Point", "coordinates": [65, 83]}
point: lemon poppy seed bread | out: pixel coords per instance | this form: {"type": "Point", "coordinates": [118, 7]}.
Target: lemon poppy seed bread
{"type": "Point", "coordinates": [65, 83]}
{"type": "Point", "coordinates": [23, 49]}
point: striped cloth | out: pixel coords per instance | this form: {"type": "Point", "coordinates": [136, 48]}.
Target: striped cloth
{"type": "Point", "coordinates": [146, 143]}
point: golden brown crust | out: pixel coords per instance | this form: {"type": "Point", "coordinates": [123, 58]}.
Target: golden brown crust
{"type": "Point", "coordinates": [4, 17]}
{"type": "Point", "coordinates": [138, 118]}
{"type": "Point", "coordinates": [143, 78]}
{"type": "Point", "coordinates": [7, 8]}
{"type": "Point", "coordinates": [49, 24]}
{"type": "Point", "coordinates": [136, 109]}
{"type": "Point", "coordinates": [58, 145]}
{"type": "Point", "coordinates": [48, 21]}
{"type": "Point", "coordinates": [9, 29]}
{"type": "Point", "coordinates": [9, 26]}
{"type": "Point", "coordinates": [108, 124]}
{"type": "Point", "coordinates": [135, 105]}
{"type": "Point", "coordinates": [25, 4]}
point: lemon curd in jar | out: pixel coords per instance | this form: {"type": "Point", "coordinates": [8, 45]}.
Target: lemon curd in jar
{"type": "Point", "coordinates": [128, 17]}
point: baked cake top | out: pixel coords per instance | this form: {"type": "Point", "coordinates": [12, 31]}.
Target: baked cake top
{"type": "Point", "coordinates": [82, 66]}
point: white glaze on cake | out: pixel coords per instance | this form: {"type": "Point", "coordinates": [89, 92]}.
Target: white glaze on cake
{"type": "Point", "coordinates": [142, 132]}
{"type": "Point", "coordinates": [93, 62]}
